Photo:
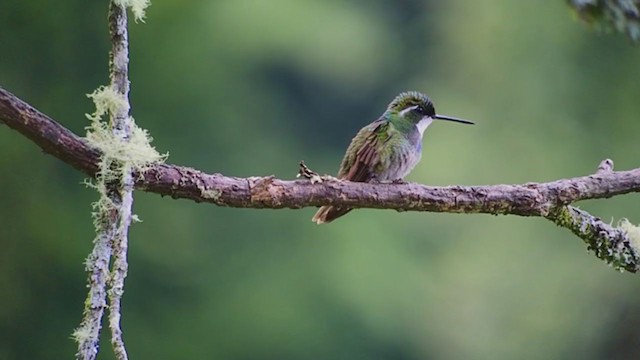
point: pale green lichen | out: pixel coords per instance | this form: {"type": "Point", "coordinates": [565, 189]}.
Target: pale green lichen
{"type": "Point", "coordinates": [122, 152]}
{"type": "Point", "coordinates": [133, 153]}
{"type": "Point", "coordinates": [106, 99]}
{"type": "Point", "coordinates": [618, 246]}
{"type": "Point", "coordinates": [633, 233]}
{"type": "Point", "coordinates": [82, 333]}
{"type": "Point", "coordinates": [212, 194]}
{"type": "Point", "coordinates": [137, 7]}
{"type": "Point", "coordinates": [118, 156]}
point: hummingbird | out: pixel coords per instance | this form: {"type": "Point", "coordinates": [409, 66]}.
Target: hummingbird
{"type": "Point", "coordinates": [387, 149]}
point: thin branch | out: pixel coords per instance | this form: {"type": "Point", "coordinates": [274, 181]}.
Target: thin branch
{"type": "Point", "coordinates": [88, 333]}
{"type": "Point", "coordinates": [123, 187]}
{"type": "Point", "coordinates": [112, 215]}
{"type": "Point", "coordinates": [530, 199]}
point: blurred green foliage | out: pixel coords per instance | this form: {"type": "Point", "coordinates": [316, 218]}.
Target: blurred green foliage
{"type": "Point", "coordinates": [251, 87]}
{"type": "Point", "coordinates": [619, 15]}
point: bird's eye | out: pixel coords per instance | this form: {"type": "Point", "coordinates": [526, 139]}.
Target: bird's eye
{"type": "Point", "coordinates": [420, 110]}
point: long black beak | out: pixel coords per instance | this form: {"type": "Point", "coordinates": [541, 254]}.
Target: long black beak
{"type": "Point", "coordinates": [449, 118]}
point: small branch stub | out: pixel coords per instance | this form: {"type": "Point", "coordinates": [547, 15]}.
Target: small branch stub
{"type": "Point", "coordinates": [605, 167]}
{"type": "Point", "coordinates": [307, 173]}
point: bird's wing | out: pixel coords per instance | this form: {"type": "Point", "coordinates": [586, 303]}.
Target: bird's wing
{"type": "Point", "coordinates": [362, 157]}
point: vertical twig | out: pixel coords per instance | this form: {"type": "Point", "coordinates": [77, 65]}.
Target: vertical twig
{"type": "Point", "coordinates": [123, 199]}
{"type": "Point", "coordinates": [113, 215]}
{"type": "Point", "coordinates": [88, 333]}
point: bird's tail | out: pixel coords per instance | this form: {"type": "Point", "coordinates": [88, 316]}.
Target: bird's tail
{"type": "Point", "coordinates": [329, 213]}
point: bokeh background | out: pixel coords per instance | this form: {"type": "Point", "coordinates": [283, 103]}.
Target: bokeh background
{"type": "Point", "coordinates": [252, 87]}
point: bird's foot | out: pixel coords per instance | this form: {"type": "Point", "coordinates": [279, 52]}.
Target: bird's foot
{"type": "Point", "coordinates": [399, 182]}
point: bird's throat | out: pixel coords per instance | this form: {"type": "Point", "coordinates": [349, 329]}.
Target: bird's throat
{"type": "Point", "coordinates": [423, 124]}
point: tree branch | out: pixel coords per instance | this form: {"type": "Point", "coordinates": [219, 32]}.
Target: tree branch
{"type": "Point", "coordinates": [50, 136]}
{"type": "Point", "coordinates": [547, 200]}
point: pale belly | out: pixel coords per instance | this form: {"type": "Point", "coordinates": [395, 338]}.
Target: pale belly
{"type": "Point", "coordinates": [399, 165]}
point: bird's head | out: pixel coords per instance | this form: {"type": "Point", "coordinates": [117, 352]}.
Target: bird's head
{"type": "Point", "coordinates": [416, 108]}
